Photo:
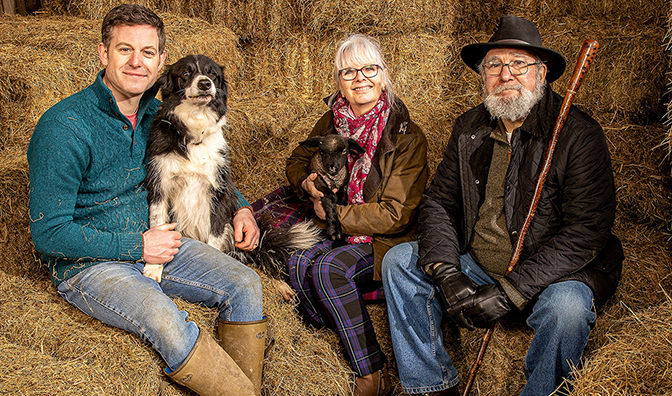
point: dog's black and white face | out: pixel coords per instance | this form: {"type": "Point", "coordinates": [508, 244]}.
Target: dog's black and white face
{"type": "Point", "coordinates": [197, 80]}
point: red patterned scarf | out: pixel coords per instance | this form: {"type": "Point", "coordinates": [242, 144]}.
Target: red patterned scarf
{"type": "Point", "coordinates": [366, 130]}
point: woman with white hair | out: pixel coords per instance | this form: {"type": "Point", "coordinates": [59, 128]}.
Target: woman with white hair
{"type": "Point", "coordinates": [385, 186]}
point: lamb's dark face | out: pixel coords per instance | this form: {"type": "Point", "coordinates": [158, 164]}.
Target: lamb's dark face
{"type": "Point", "coordinates": [196, 79]}
{"type": "Point", "coordinates": [334, 153]}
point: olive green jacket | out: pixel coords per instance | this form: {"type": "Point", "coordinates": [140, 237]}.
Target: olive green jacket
{"type": "Point", "coordinates": [392, 190]}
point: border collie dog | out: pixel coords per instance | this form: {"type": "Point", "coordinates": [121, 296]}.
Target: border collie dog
{"type": "Point", "coordinates": [189, 174]}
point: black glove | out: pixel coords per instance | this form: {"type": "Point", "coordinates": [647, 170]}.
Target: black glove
{"type": "Point", "coordinates": [484, 308]}
{"type": "Point", "coordinates": [453, 286]}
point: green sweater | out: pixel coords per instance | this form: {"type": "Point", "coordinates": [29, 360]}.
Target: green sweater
{"type": "Point", "coordinates": [87, 165]}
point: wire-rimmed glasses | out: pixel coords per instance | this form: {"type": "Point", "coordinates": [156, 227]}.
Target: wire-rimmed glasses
{"type": "Point", "coordinates": [516, 67]}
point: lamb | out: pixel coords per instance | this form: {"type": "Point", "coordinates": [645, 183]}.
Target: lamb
{"type": "Point", "coordinates": [330, 162]}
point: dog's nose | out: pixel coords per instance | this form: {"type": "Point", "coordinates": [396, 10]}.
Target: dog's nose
{"type": "Point", "coordinates": [204, 84]}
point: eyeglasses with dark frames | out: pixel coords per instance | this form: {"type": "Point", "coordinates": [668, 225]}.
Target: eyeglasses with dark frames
{"type": "Point", "coordinates": [350, 73]}
{"type": "Point", "coordinates": [516, 67]}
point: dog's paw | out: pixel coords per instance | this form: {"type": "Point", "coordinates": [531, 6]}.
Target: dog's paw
{"type": "Point", "coordinates": [284, 289]}
{"type": "Point", "coordinates": [153, 271]}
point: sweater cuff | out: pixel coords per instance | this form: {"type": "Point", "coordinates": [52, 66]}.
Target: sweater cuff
{"type": "Point", "coordinates": [514, 295]}
{"type": "Point", "coordinates": [242, 202]}
{"type": "Point", "coordinates": [244, 207]}
{"type": "Point", "coordinates": [131, 246]}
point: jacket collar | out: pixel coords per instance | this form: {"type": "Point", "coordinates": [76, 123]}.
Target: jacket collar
{"type": "Point", "coordinates": [398, 123]}
{"type": "Point", "coordinates": [108, 103]}
{"type": "Point", "coordinates": [540, 120]}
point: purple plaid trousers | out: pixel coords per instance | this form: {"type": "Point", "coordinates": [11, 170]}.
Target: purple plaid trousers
{"type": "Point", "coordinates": [330, 284]}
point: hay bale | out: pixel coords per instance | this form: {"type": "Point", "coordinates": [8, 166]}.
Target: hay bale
{"type": "Point", "coordinates": [297, 65]}
{"type": "Point", "coordinates": [185, 37]}
{"type": "Point", "coordinates": [642, 192]}
{"type": "Point", "coordinates": [14, 229]}
{"type": "Point", "coordinates": [73, 353]}
{"type": "Point", "coordinates": [258, 19]}
{"type": "Point", "coordinates": [476, 16]}
{"type": "Point", "coordinates": [637, 359]}
{"type": "Point", "coordinates": [262, 134]}
{"type": "Point", "coordinates": [667, 118]}
{"type": "Point", "coordinates": [379, 17]}
{"type": "Point", "coordinates": [249, 19]}
{"type": "Point", "coordinates": [615, 89]}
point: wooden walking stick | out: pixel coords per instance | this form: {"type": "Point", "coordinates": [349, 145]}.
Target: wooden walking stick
{"type": "Point", "coordinates": [588, 52]}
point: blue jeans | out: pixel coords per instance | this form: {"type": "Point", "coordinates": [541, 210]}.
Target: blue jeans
{"type": "Point", "coordinates": [561, 318]}
{"type": "Point", "coordinates": [118, 294]}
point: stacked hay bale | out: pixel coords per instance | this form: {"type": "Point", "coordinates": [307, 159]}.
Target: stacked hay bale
{"type": "Point", "coordinates": [278, 57]}
{"type": "Point", "coordinates": [636, 360]}
{"type": "Point", "coordinates": [667, 141]}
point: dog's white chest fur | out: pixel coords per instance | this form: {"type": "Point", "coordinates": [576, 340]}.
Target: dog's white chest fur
{"type": "Point", "coordinates": [189, 182]}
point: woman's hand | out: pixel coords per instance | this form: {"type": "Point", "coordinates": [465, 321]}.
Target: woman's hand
{"type": "Point", "coordinates": [316, 195]}
{"type": "Point", "coordinates": [308, 186]}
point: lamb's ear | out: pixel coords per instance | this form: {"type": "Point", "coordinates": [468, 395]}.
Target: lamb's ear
{"type": "Point", "coordinates": [355, 149]}
{"type": "Point", "coordinates": [315, 141]}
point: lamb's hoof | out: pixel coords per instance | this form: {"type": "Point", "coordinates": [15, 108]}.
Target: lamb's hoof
{"type": "Point", "coordinates": [338, 242]}
{"type": "Point", "coordinates": [286, 291]}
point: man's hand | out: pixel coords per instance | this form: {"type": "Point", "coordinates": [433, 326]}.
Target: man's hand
{"type": "Point", "coordinates": [245, 230]}
{"type": "Point", "coordinates": [160, 244]}
{"type": "Point", "coordinates": [485, 307]}
{"type": "Point", "coordinates": [316, 195]}
{"type": "Point", "coordinates": [453, 286]}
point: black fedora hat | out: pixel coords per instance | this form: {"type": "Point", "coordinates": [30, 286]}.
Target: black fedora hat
{"type": "Point", "coordinates": [516, 32]}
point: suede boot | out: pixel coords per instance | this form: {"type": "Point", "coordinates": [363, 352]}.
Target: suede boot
{"type": "Point", "coordinates": [245, 342]}
{"type": "Point", "coordinates": [377, 384]}
{"type": "Point", "coordinates": [210, 371]}
{"type": "Point", "coordinates": [448, 392]}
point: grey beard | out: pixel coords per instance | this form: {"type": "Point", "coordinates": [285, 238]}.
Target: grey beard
{"type": "Point", "coordinates": [516, 108]}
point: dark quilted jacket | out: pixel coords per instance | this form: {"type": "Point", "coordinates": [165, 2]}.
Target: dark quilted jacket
{"type": "Point", "coordinates": [570, 236]}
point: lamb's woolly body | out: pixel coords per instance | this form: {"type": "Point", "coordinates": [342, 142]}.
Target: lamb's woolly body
{"type": "Point", "coordinates": [336, 181]}
{"type": "Point", "coordinates": [330, 163]}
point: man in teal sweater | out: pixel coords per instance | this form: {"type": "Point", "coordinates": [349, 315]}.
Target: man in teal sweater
{"type": "Point", "coordinates": [89, 218]}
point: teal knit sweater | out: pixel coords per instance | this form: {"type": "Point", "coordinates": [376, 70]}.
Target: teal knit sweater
{"type": "Point", "coordinates": [87, 165]}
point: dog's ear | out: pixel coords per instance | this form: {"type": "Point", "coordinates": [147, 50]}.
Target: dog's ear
{"type": "Point", "coordinates": [355, 149]}
{"type": "Point", "coordinates": [224, 85]}
{"type": "Point", "coordinates": [315, 141]}
{"type": "Point", "coordinates": [164, 82]}
{"type": "Point", "coordinates": [222, 93]}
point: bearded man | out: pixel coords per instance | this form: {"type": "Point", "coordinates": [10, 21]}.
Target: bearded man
{"type": "Point", "coordinates": [471, 214]}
